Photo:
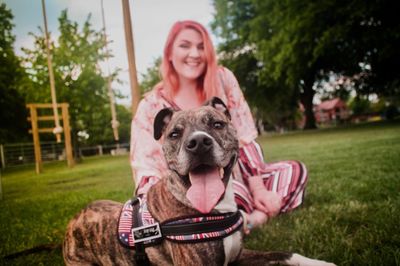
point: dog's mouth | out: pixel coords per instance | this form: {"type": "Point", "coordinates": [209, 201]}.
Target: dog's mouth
{"type": "Point", "coordinates": [207, 185]}
{"type": "Point", "coordinates": [204, 168]}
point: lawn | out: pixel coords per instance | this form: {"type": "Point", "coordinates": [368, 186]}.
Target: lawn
{"type": "Point", "coordinates": [350, 215]}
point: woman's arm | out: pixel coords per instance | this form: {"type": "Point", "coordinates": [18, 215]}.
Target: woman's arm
{"type": "Point", "coordinates": [250, 162]}
{"type": "Point", "coordinates": [239, 109]}
{"type": "Point", "coordinates": [146, 157]}
{"type": "Point", "coordinates": [251, 158]}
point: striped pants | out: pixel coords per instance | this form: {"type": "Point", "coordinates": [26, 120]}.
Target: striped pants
{"type": "Point", "coordinates": [287, 178]}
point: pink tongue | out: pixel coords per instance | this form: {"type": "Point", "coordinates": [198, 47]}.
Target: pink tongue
{"type": "Point", "coordinates": [206, 190]}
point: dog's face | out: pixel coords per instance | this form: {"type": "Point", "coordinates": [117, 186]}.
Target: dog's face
{"type": "Point", "coordinates": [201, 147]}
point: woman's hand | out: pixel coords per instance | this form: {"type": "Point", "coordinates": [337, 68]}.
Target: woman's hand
{"type": "Point", "coordinates": [254, 220]}
{"type": "Point", "coordinates": [266, 201]}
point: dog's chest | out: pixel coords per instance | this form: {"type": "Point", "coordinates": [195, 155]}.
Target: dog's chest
{"type": "Point", "coordinates": [161, 208]}
{"type": "Point", "coordinates": [232, 243]}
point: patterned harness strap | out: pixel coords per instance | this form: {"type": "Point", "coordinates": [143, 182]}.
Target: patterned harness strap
{"type": "Point", "coordinates": [202, 228]}
{"type": "Point", "coordinates": [136, 225]}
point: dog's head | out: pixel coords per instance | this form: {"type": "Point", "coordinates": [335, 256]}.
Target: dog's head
{"type": "Point", "coordinates": [201, 146]}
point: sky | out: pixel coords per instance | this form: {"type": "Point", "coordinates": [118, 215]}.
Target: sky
{"type": "Point", "coordinates": [151, 21]}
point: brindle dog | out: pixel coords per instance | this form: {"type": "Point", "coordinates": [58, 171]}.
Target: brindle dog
{"type": "Point", "coordinates": [201, 148]}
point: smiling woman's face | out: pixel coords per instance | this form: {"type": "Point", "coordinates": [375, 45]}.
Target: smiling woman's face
{"type": "Point", "coordinates": [188, 57]}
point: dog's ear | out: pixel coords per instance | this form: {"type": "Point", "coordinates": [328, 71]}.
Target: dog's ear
{"type": "Point", "coordinates": [162, 119]}
{"type": "Point", "coordinates": [218, 104]}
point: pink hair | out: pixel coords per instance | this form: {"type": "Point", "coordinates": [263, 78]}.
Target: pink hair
{"type": "Point", "coordinates": [208, 82]}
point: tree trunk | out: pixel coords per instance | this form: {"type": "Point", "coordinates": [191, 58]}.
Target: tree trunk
{"type": "Point", "coordinates": [306, 98]}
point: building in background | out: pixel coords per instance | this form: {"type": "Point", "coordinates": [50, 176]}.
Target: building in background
{"type": "Point", "coordinates": [332, 111]}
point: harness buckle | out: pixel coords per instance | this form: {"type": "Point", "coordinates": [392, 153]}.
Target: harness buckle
{"type": "Point", "coordinates": [146, 233]}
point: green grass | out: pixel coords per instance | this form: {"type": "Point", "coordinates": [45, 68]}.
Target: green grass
{"type": "Point", "coordinates": [351, 213]}
{"type": "Point", "coordinates": [36, 208]}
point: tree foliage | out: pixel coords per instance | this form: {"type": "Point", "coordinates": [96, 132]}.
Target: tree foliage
{"type": "Point", "coordinates": [12, 105]}
{"type": "Point", "coordinates": [76, 57]}
{"type": "Point", "coordinates": [151, 77]}
{"type": "Point", "coordinates": [294, 44]}
{"type": "Point", "coordinates": [271, 100]}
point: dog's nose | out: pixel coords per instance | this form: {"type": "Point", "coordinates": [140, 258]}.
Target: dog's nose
{"type": "Point", "coordinates": [199, 143]}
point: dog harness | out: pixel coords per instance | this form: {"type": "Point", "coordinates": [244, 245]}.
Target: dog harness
{"type": "Point", "coordinates": [138, 229]}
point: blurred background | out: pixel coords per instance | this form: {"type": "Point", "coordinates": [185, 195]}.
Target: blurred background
{"type": "Point", "coordinates": [301, 65]}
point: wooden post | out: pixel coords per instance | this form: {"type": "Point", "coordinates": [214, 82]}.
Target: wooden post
{"type": "Point", "coordinates": [1, 188]}
{"type": "Point", "coordinates": [114, 121]}
{"type": "Point", "coordinates": [57, 128]}
{"type": "Point", "coordinates": [135, 93]}
{"type": "Point", "coordinates": [67, 135]}
{"type": "Point", "coordinates": [36, 141]}
{"type": "Point", "coordinates": [100, 148]}
{"type": "Point", "coordinates": [34, 118]}
{"type": "Point", "coordinates": [3, 160]}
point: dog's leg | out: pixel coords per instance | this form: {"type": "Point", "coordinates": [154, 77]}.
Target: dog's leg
{"type": "Point", "coordinates": [299, 260]}
{"type": "Point", "coordinates": [255, 258]}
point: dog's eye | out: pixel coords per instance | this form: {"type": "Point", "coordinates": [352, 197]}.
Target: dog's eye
{"type": "Point", "coordinates": [173, 135]}
{"type": "Point", "coordinates": [218, 125]}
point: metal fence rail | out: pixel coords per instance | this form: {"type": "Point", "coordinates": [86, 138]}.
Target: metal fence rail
{"type": "Point", "coordinates": [12, 155]}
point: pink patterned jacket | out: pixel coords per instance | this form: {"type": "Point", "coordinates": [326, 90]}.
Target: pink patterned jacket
{"type": "Point", "coordinates": [146, 157]}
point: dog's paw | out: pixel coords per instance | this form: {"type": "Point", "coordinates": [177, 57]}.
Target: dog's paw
{"type": "Point", "coordinates": [299, 260]}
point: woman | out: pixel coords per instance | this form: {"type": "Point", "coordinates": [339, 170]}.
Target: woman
{"type": "Point", "coordinates": [190, 76]}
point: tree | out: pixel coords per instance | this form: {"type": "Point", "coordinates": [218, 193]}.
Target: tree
{"type": "Point", "coordinates": [298, 43]}
{"type": "Point", "coordinates": [271, 100]}
{"type": "Point", "coordinates": [76, 55]}
{"type": "Point", "coordinates": [151, 77]}
{"type": "Point", "coordinates": [14, 126]}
